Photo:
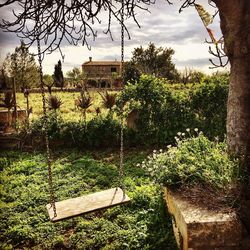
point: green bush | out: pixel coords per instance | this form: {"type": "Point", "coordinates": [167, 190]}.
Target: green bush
{"type": "Point", "coordinates": [54, 125]}
{"type": "Point", "coordinates": [194, 160]}
{"type": "Point", "coordinates": [99, 132]}
{"type": "Point", "coordinates": [209, 105]}
{"type": "Point", "coordinates": [163, 110]}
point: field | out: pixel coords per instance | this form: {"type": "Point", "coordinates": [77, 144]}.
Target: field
{"type": "Point", "coordinates": [141, 224]}
{"type": "Point", "coordinates": [68, 110]}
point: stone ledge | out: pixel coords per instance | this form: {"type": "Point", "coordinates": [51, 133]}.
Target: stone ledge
{"type": "Point", "coordinates": [196, 228]}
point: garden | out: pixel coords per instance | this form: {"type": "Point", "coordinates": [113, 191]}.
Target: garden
{"type": "Point", "coordinates": [174, 144]}
{"type": "Point", "coordinates": [177, 140]}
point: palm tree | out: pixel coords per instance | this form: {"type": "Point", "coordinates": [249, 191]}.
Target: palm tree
{"type": "Point", "coordinates": [54, 102]}
{"type": "Point", "coordinates": [108, 101]}
{"type": "Point", "coordinates": [84, 102]}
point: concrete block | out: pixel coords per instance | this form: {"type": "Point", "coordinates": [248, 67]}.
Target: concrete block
{"type": "Point", "coordinates": [197, 228]}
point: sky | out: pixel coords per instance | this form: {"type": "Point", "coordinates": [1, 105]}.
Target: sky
{"type": "Point", "coordinates": [164, 26]}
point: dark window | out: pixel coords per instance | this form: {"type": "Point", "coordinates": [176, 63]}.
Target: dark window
{"type": "Point", "coordinates": [113, 69]}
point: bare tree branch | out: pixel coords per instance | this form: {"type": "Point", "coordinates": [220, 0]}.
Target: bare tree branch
{"type": "Point", "coordinates": [53, 21]}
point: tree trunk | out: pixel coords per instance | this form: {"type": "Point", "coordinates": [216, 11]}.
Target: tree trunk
{"type": "Point", "coordinates": [235, 26]}
{"type": "Point", "coordinates": [238, 114]}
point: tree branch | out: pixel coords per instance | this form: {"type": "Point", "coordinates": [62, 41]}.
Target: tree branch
{"type": "Point", "coordinates": [52, 21]}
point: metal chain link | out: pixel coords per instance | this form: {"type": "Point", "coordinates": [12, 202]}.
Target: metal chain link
{"type": "Point", "coordinates": [50, 182]}
{"type": "Point", "coordinates": [121, 169]}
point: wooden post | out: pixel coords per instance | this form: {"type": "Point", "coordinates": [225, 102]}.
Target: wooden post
{"type": "Point", "coordinates": [14, 99]}
{"type": "Point", "coordinates": [26, 94]}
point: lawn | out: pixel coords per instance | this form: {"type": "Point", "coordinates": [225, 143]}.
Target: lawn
{"type": "Point", "coordinates": [141, 224]}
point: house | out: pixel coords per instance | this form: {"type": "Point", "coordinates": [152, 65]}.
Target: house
{"type": "Point", "coordinates": [102, 73]}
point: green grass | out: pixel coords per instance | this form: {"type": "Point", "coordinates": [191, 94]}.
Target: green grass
{"type": "Point", "coordinates": [68, 109]}
{"type": "Point", "coordinates": [24, 223]}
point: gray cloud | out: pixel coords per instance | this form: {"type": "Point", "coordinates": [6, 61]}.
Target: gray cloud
{"type": "Point", "coordinates": [164, 27]}
{"type": "Point", "coordinates": [196, 62]}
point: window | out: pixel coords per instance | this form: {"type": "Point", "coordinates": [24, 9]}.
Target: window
{"type": "Point", "coordinates": [113, 69]}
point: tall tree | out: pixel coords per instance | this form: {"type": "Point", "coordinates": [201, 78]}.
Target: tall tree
{"type": "Point", "coordinates": [3, 77]}
{"type": "Point", "coordinates": [76, 77]}
{"type": "Point", "coordinates": [48, 82]}
{"type": "Point", "coordinates": [153, 60]}
{"type": "Point", "coordinates": [131, 72]}
{"type": "Point", "coordinates": [21, 65]}
{"type": "Point", "coordinates": [58, 75]}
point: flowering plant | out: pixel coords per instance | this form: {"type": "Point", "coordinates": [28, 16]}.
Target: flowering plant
{"type": "Point", "coordinates": [193, 159]}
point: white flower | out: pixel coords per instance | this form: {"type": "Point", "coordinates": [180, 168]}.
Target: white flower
{"type": "Point", "coordinates": [179, 133]}
{"type": "Point", "coordinates": [160, 150]}
{"type": "Point", "coordinates": [196, 129]}
{"type": "Point", "coordinates": [154, 151]}
{"type": "Point", "coordinates": [188, 129]}
{"type": "Point", "coordinates": [169, 146]}
{"type": "Point", "coordinates": [183, 134]}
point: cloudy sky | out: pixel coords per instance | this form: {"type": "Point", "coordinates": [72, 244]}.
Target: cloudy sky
{"type": "Point", "coordinates": [164, 26]}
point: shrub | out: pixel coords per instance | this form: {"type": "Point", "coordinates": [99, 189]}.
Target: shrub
{"type": "Point", "coordinates": [54, 125]}
{"type": "Point", "coordinates": [209, 105]}
{"type": "Point", "coordinates": [160, 112]}
{"type": "Point", "coordinates": [194, 160]}
{"type": "Point", "coordinates": [163, 110]}
{"type": "Point", "coordinates": [99, 132]}
{"type": "Point", "coordinates": [54, 102]}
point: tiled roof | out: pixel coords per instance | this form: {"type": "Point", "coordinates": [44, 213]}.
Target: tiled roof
{"type": "Point", "coordinates": [102, 63]}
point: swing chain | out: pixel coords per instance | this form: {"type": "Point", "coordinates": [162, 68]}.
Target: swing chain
{"type": "Point", "coordinates": [49, 161]}
{"type": "Point", "coordinates": [121, 169]}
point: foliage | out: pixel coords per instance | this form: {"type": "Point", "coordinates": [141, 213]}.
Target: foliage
{"type": "Point", "coordinates": [84, 102]}
{"type": "Point", "coordinates": [153, 60]}
{"type": "Point", "coordinates": [4, 79]}
{"type": "Point", "coordinates": [68, 110]}
{"type": "Point", "coordinates": [165, 109]}
{"type": "Point", "coordinates": [48, 82]}
{"type": "Point", "coordinates": [161, 114]}
{"type": "Point", "coordinates": [54, 126]}
{"type": "Point", "coordinates": [209, 102]}
{"type": "Point", "coordinates": [76, 78]}
{"type": "Point", "coordinates": [141, 224]}
{"type": "Point", "coordinates": [7, 100]}
{"type": "Point", "coordinates": [22, 66]}
{"type": "Point", "coordinates": [109, 101]}
{"type": "Point", "coordinates": [194, 159]}
{"type": "Point", "coordinates": [58, 75]}
{"type": "Point", "coordinates": [191, 76]}
{"type": "Point", "coordinates": [54, 102]}
{"type": "Point", "coordinates": [131, 72]}
{"type": "Point", "coordinates": [99, 132]}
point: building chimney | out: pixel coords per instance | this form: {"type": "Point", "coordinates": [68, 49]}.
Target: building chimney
{"type": "Point", "coordinates": [90, 59]}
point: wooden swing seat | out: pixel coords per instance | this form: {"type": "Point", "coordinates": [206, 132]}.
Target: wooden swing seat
{"type": "Point", "coordinates": [87, 203]}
